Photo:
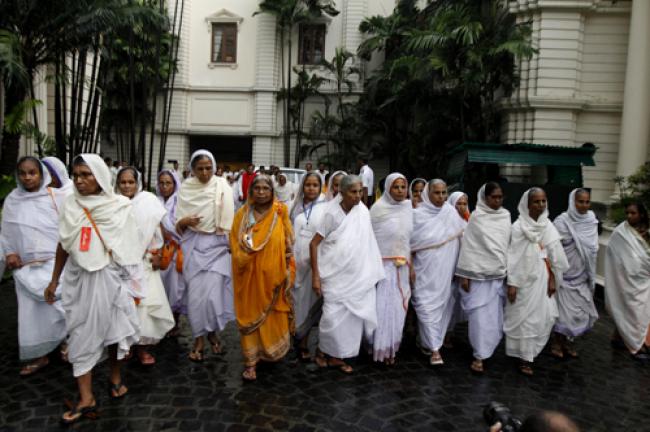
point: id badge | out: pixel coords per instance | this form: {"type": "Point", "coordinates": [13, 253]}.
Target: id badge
{"type": "Point", "coordinates": [84, 241]}
{"type": "Point", "coordinates": [307, 233]}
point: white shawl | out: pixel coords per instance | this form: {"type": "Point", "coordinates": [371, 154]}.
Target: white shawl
{"type": "Point", "coordinates": [169, 221]}
{"type": "Point", "coordinates": [113, 215]}
{"type": "Point", "coordinates": [212, 201]}
{"type": "Point", "coordinates": [392, 222]}
{"type": "Point", "coordinates": [29, 226]}
{"type": "Point", "coordinates": [57, 169]}
{"type": "Point", "coordinates": [435, 226]}
{"type": "Point", "coordinates": [583, 229]}
{"type": "Point", "coordinates": [530, 243]}
{"type": "Point", "coordinates": [329, 195]}
{"type": "Point", "coordinates": [297, 206]}
{"type": "Point", "coordinates": [484, 247]}
{"type": "Point", "coordinates": [627, 284]}
{"type": "Point", "coordinates": [349, 261]}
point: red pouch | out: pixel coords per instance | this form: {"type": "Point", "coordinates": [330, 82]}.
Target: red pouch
{"type": "Point", "coordinates": [84, 241]}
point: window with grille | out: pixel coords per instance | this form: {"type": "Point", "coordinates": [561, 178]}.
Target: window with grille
{"type": "Point", "coordinates": [224, 43]}
{"type": "Point", "coordinates": [312, 44]}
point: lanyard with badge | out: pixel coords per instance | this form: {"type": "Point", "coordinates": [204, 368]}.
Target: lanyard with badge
{"type": "Point", "coordinates": [305, 231]}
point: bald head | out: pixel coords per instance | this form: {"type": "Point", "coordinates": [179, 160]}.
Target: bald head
{"type": "Point", "coordinates": [549, 421]}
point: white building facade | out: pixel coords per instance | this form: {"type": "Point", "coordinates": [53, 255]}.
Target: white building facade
{"type": "Point", "coordinates": [230, 73]}
{"type": "Point", "coordinates": [589, 82]}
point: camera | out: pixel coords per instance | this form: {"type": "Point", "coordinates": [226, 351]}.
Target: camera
{"type": "Point", "coordinates": [497, 412]}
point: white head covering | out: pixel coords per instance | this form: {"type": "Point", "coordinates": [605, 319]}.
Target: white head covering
{"type": "Point", "coordinates": [169, 221]}
{"type": "Point", "coordinates": [433, 225]}
{"type": "Point", "coordinates": [34, 212]}
{"type": "Point", "coordinates": [212, 201]}
{"type": "Point", "coordinates": [329, 195]}
{"type": "Point", "coordinates": [484, 247]}
{"type": "Point", "coordinates": [148, 209]}
{"type": "Point", "coordinates": [284, 192]}
{"type": "Point", "coordinates": [138, 179]}
{"type": "Point", "coordinates": [297, 207]}
{"type": "Point", "coordinates": [113, 216]}
{"type": "Point", "coordinates": [415, 180]}
{"type": "Point", "coordinates": [202, 153]}
{"type": "Point", "coordinates": [453, 199]}
{"type": "Point", "coordinates": [58, 169]}
{"type": "Point", "coordinates": [392, 222]}
{"type": "Point", "coordinates": [532, 229]}
{"type": "Point", "coordinates": [583, 229]}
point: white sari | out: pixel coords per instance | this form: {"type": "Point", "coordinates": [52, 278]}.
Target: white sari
{"type": "Point", "coordinates": [392, 223]}
{"type": "Point", "coordinates": [98, 283]}
{"type": "Point", "coordinates": [154, 313]}
{"type": "Point", "coordinates": [435, 243]}
{"type": "Point", "coordinates": [483, 260]}
{"type": "Point", "coordinates": [575, 298]}
{"type": "Point", "coordinates": [207, 267]}
{"type": "Point", "coordinates": [171, 277]}
{"type": "Point", "coordinates": [305, 220]}
{"type": "Point", "coordinates": [534, 248]}
{"type": "Point", "coordinates": [350, 265]}
{"type": "Point", "coordinates": [627, 285]}
{"type": "Point", "coordinates": [30, 230]}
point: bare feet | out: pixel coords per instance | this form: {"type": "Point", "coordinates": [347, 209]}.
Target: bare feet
{"type": "Point", "coordinates": [249, 373]}
{"type": "Point", "coordinates": [477, 366]}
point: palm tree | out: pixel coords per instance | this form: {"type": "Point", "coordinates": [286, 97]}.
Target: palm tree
{"type": "Point", "coordinates": [289, 14]}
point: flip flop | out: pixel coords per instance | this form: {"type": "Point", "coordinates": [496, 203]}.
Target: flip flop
{"type": "Point", "coordinates": [114, 389]}
{"type": "Point", "coordinates": [76, 413]}
{"type": "Point", "coordinates": [249, 374]}
{"type": "Point", "coordinates": [477, 367]}
{"type": "Point", "coordinates": [32, 368]}
{"type": "Point", "coordinates": [146, 359]}
{"type": "Point", "coordinates": [196, 356]}
{"type": "Point", "coordinates": [526, 369]}
{"type": "Point", "coordinates": [436, 359]}
{"type": "Point", "coordinates": [340, 365]}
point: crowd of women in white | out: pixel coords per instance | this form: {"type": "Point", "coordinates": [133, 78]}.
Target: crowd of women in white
{"type": "Point", "coordinates": [358, 271]}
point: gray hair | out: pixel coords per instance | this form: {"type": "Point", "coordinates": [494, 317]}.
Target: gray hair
{"type": "Point", "coordinates": [437, 181]}
{"type": "Point", "coordinates": [533, 191]}
{"type": "Point", "coordinates": [348, 181]}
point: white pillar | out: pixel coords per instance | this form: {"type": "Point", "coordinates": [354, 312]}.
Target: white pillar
{"type": "Point", "coordinates": [635, 125]}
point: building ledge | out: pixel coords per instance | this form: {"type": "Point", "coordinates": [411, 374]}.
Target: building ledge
{"type": "Point", "coordinates": [213, 65]}
{"type": "Point", "coordinates": [576, 104]}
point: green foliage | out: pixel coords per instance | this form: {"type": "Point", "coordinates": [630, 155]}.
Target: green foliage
{"type": "Point", "coordinates": [446, 68]}
{"type": "Point", "coordinates": [633, 188]}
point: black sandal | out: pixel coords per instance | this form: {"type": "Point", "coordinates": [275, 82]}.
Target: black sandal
{"type": "Point", "coordinates": [76, 413]}
{"type": "Point", "coordinates": [114, 389]}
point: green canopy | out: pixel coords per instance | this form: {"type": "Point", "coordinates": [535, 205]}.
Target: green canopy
{"type": "Point", "coordinates": [526, 154]}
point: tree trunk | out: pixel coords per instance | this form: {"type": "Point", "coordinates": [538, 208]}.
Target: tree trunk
{"type": "Point", "coordinates": [287, 131]}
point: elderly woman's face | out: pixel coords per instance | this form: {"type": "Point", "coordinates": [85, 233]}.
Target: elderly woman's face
{"type": "Point", "coordinates": [166, 185]}
{"type": "Point", "coordinates": [262, 192]}
{"type": "Point", "coordinates": [127, 183]}
{"type": "Point", "coordinates": [282, 180]}
{"type": "Point", "coordinates": [202, 169]}
{"type": "Point", "coordinates": [536, 204]}
{"type": "Point", "coordinates": [398, 190]}
{"type": "Point", "coordinates": [352, 196]}
{"type": "Point", "coordinates": [438, 194]}
{"type": "Point", "coordinates": [84, 180]}
{"type": "Point", "coordinates": [461, 206]}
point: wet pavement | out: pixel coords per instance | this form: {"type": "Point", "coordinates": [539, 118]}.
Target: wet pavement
{"type": "Point", "coordinates": [603, 390]}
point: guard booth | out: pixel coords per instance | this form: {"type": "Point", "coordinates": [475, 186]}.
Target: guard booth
{"type": "Point", "coordinates": [472, 164]}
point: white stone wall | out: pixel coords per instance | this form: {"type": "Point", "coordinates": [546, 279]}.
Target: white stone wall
{"type": "Point", "coordinates": [571, 92]}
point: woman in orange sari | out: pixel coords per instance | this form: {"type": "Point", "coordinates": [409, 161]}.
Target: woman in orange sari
{"type": "Point", "coordinates": [263, 271]}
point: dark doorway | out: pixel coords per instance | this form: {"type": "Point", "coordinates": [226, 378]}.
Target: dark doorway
{"type": "Point", "coordinates": [235, 151]}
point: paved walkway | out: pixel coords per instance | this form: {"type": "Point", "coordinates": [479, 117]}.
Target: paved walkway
{"type": "Point", "coordinates": [604, 390]}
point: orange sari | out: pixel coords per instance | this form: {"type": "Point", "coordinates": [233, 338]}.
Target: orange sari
{"type": "Point", "coordinates": [262, 279]}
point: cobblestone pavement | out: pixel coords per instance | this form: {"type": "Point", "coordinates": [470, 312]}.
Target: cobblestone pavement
{"type": "Point", "coordinates": [603, 390]}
